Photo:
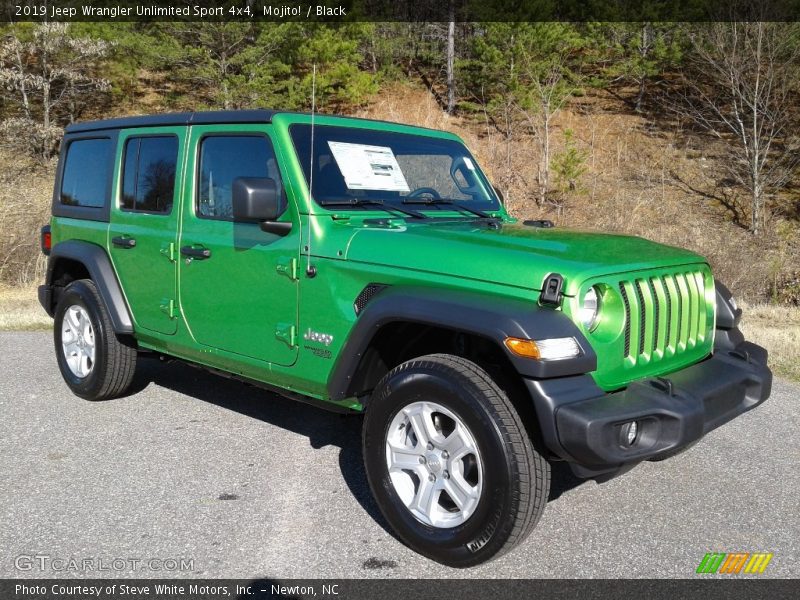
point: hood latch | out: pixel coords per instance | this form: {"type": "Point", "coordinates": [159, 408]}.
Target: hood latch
{"type": "Point", "coordinates": [551, 290]}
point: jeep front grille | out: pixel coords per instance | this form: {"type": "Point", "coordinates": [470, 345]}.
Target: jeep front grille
{"type": "Point", "coordinates": [665, 315]}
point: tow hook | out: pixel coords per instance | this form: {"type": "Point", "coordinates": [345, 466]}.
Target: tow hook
{"type": "Point", "coordinates": [740, 354]}
{"type": "Point", "coordinates": [663, 384]}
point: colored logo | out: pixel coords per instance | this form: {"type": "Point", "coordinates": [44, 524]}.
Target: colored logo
{"type": "Point", "coordinates": [734, 563]}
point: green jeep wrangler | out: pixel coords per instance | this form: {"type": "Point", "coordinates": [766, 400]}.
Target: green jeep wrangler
{"type": "Point", "coordinates": [371, 267]}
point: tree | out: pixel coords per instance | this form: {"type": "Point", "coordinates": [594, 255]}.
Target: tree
{"type": "Point", "coordinates": [522, 75]}
{"type": "Point", "coordinates": [48, 74]}
{"type": "Point", "coordinates": [738, 88]}
{"type": "Point", "coordinates": [211, 59]}
{"type": "Point", "coordinates": [569, 165]}
{"type": "Point", "coordinates": [342, 83]}
{"type": "Point", "coordinates": [550, 86]}
{"type": "Point", "coordinates": [238, 65]}
{"type": "Point", "coordinates": [637, 54]}
{"type": "Point", "coordinates": [451, 57]}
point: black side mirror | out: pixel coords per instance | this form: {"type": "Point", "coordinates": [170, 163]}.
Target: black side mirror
{"type": "Point", "coordinates": [256, 200]}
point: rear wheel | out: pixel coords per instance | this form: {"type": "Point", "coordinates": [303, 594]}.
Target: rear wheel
{"type": "Point", "coordinates": [94, 362]}
{"type": "Point", "coordinates": [450, 463]}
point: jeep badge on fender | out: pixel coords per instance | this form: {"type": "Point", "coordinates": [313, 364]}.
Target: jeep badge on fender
{"type": "Point", "coordinates": [479, 349]}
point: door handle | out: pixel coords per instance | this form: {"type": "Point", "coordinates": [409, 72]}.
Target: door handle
{"type": "Point", "coordinates": [123, 242]}
{"type": "Point", "coordinates": [198, 253]}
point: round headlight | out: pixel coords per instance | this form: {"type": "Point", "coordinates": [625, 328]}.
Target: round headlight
{"type": "Point", "coordinates": [590, 309]}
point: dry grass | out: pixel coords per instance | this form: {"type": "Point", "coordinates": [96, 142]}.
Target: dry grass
{"type": "Point", "coordinates": [26, 187]}
{"type": "Point", "coordinates": [20, 310]}
{"type": "Point", "coordinates": [776, 328]}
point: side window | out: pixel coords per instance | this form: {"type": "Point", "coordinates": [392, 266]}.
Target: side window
{"type": "Point", "coordinates": [148, 173]}
{"type": "Point", "coordinates": [225, 158]}
{"type": "Point", "coordinates": [86, 173]}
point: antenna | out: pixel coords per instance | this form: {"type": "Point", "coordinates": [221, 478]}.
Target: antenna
{"type": "Point", "coordinates": [311, 270]}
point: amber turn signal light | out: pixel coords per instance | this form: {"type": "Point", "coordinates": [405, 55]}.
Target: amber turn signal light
{"type": "Point", "coordinates": [523, 348]}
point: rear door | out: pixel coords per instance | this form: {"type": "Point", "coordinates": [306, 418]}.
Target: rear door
{"type": "Point", "coordinates": [144, 223]}
{"type": "Point", "coordinates": [238, 284]}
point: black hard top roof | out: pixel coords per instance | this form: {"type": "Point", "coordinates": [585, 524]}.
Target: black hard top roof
{"type": "Point", "coordinates": [208, 117]}
{"type": "Point", "coordinates": [182, 118]}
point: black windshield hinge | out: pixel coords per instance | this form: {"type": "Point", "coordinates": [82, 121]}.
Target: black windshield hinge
{"type": "Point", "coordinates": [551, 290]}
{"type": "Point", "coordinates": [542, 223]}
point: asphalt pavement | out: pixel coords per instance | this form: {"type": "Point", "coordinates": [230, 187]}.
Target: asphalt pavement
{"type": "Point", "coordinates": [195, 475]}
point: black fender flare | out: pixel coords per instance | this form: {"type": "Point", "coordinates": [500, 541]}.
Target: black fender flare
{"type": "Point", "coordinates": [489, 316]}
{"type": "Point", "coordinates": [728, 316]}
{"type": "Point", "coordinates": [97, 262]}
{"type": "Point", "coordinates": [727, 336]}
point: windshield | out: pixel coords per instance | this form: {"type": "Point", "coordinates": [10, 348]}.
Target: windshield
{"type": "Point", "coordinates": [358, 166]}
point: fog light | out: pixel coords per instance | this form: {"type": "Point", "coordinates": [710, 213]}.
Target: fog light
{"type": "Point", "coordinates": [629, 433]}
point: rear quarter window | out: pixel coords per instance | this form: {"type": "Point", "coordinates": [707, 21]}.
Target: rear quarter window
{"type": "Point", "coordinates": [148, 174]}
{"type": "Point", "coordinates": [86, 167]}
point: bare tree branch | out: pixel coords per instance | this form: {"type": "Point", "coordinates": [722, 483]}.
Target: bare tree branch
{"type": "Point", "coordinates": [737, 88]}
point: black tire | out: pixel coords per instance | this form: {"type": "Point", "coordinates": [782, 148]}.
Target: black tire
{"type": "Point", "coordinates": [516, 477]}
{"type": "Point", "coordinates": [114, 366]}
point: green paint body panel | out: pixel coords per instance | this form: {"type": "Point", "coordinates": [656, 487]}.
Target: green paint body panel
{"type": "Point", "coordinates": [147, 271]}
{"type": "Point", "coordinates": [235, 300]}
{"type": "Point", "coordinates": [246, 309]}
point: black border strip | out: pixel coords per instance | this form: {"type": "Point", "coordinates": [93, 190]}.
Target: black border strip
{"type": "Point", "coordinates": [387, 589]}
{"type": "Point", "coordinates": [400, 10]}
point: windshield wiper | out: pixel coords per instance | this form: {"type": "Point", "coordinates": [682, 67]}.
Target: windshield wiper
{"type": "Point", "coordinates": [368, 202]}
{"type": "Point", "coordinates": [448, 202]}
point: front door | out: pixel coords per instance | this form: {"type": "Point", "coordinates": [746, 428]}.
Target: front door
{"type": "Point", "coordinates": [238, 284]}
{"type": "Point", "coordinates": [144, 217]}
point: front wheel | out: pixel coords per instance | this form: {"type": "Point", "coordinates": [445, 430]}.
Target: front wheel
{"type": "Point", "coordinates": [94, 362]}
{"type": "Point", "coordinates": [450, 463]}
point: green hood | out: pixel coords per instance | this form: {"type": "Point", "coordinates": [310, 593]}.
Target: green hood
{"type": "Point", "coordinates": [515, 255]}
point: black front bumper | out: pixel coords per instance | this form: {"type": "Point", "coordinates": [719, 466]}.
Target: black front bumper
{"type": "Point", "coordinates": [583, 425]}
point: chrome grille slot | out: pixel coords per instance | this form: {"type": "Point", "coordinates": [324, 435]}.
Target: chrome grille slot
{"type": "Point", "coordinates": [627, 305]}
{"type": "Point", "coordinates": [642, 316]}
{"type": "Point", "coordinates": [702, 314]}
{"type": "Point", "coordinates": [656, 315]}
{"type": "Point", "coordinates": [668, 296]}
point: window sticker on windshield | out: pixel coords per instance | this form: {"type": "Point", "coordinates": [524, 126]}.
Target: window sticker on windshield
{"type": "Point", "coordinates": [468, 162]}
{"type": "Point", "coordinates": [369, 167]}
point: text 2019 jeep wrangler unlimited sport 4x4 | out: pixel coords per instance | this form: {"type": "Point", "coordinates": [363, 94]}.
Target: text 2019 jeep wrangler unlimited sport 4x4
{"type": "Point", "coordinates": [370, 266]}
